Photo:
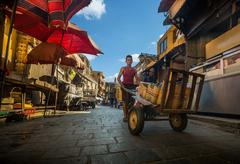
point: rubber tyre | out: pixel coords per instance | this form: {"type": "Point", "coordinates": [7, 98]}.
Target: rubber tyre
{"type": "Point", "coordinates": [135, 121]}
{"type": "Point", "coordinates": [178, 122]}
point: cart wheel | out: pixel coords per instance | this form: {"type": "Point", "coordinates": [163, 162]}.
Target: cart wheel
{"type": "Point", "coordinates": [135, 121]}
{"type": "Point", "coordinates": [178, 122]}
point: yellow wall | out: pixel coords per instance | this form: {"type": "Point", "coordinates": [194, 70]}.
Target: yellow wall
{"type": "Point", "coordinates": [170, 42]}
{"type": "Point", "coordinates": [224, 42]}
{"type": "Point", "coordinates": [13, 42]}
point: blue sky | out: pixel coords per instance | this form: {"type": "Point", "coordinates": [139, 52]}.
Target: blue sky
{"type": "Point", "coordinates": [121, 27]}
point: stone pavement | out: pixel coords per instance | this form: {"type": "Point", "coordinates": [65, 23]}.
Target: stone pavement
{"type": "Point", "coordinates": [100, 136]}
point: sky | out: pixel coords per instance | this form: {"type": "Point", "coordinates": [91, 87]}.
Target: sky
{"type": "Point", "coordinates": [119, 28]}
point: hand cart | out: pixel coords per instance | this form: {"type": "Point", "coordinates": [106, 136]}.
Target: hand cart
{"type": "Point", "coordinates": [174, 101]}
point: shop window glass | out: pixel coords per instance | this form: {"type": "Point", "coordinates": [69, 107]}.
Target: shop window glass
{"type": "Point", "coordinates": [163, 45]}
{"type": "Point", "coordinates": [212, 67]}
{"type": "Point", "coordinates": [161, 48]}
{"type": "Point", "coordinates": [213, 70]}
{"type": "Point", "coordinates": [232, 63]}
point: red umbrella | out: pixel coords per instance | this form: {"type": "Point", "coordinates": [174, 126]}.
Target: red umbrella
{"type": "Point", "coordinates": [29, 18]}
{"type": "Point", "coordinates": [55, 13]}
{"type": "Point", "coordinates": [42, 14]}
{"type": "Point", "coordinates": [52, 53]}
{"type": "Point", "coordinates": [46, 53]}
{"type": "Point", "coordinates": [73, 39]}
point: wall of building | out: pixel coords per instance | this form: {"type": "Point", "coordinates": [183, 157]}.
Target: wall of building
{"type": "Point", "coordinates": [173, 37]}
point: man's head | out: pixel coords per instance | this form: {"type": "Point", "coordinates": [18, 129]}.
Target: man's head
{"type": "Point", "coordinates": [141, 58]}
{"type": "Point", "coordinates": [129, 60]}
{"type": "Point", "coordinates": [151, 72]}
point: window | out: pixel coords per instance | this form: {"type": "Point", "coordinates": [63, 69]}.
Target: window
{"type": "Point", "coordinates": [232, 63]}
{"type": "Point", "coordinates": [213, 70]}
{"type": "Point", "coordinates": [212, 67]}
{"type": "Point", "coordinates": [161, 48]}
{"type": "Point", "coordinates": [163, 45]}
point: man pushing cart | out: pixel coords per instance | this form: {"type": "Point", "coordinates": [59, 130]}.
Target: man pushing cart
{"type": "Point", "coordinates": [127, 84]}
{"type": "Point", "coordinates": [177, 95]}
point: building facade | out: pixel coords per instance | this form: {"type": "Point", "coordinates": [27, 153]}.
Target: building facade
{"type": "Point", "coordinates": [171, 48]}
{"type": "Point", "coordinates": [99, 77]}
{"type": "Point", "coordinates": [211, 29]}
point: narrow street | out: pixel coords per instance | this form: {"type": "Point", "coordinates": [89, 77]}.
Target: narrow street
{"type": "Point", "coordinates": [100, 136]}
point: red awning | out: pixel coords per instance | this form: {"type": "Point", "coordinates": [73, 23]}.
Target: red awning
{"type": "Point", "coordinates": [165, 5]}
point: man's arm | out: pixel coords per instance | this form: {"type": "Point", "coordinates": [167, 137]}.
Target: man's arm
{"type": "Point", "coordinates": [119, 76]}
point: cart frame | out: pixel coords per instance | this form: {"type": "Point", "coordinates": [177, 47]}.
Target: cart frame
{"type": "Point", "coordinates": [137, 113]}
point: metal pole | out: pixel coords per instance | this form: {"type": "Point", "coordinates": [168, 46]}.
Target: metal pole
{"type": "Point", "coordinates": [56, 98]}
{"type": "Point", "coordinates": [53, 70]}
{"type": "Point", "coordinates": [49, 92]}
{"type": "Point", "coordinates": [7, 48]}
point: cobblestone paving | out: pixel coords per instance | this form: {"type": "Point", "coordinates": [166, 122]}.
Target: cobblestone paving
{"type": "Point", "coordinates": [100, 136]}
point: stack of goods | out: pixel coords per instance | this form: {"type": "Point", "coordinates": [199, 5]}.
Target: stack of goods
{"type": "Point", "coordinates": [142, 89]}
{"type": "Point", "coordinates": [7, 104]}
{"type": "Point", "coordinates": [151, 92]}
{"type": "Point", "coordinates": [154, 94]}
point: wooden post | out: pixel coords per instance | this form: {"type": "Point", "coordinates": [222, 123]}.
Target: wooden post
{"type": "Point", "coordinates": [170, 96]}
{"type": "Point", "coordinates": [165, 89]}
{"type": "Point", "coordinates": [183, 89]}
{"type": "Point", "coordinates": [2, 24]}
{"type": "Point", "coordinates": [194, 81]}
{"type": "Point", "coordinates": [199, 92]}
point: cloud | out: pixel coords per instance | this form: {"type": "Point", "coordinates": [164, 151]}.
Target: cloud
{"type": "Point", "coordinates": [152, 46]}
{"type": "Point", "coordinates": [94, 11]}
{"type": "Point", "coordinates": [134, 56]}
{"type": "Point", "coordinates": [111, 78]}
{"type": "Point", "coordinates": [153, 43]}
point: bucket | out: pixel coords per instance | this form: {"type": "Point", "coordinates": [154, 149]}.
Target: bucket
{"type": "Point", "coordinates": [154, 92]}
{"type": "Point", "coordinates": [16, 94]}
{"type": "Point", "coordinates": [147, 92]}
{"type": "Point", "coordinates": [142, 90]}
{"type": "Point", "coordinates": [7, 104]}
